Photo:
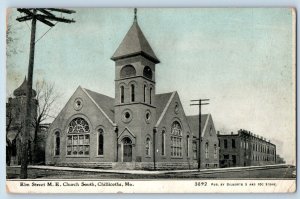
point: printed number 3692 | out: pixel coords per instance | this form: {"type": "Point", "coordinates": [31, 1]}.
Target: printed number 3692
{"type": "Point", "coordinates": [197, 184]}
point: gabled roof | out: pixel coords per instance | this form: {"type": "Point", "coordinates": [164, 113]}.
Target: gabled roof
{"type": "Point", "coordinates": [134, 43]}
{"type": "Point", "coordinates": [193, 121]}
{"type": "Point", "coordinates": [106, 103]}
{"type": "Point", "coordinates": [162, 100]}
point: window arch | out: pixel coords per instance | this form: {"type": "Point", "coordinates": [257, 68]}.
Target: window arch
{"type": "Point", "coordinates": [148, 146]}
{"type": "Point", "coordinates": [147, 72]}
{"type": "Point", "coordinates": [176, 140]}
{"type": "Point", "coordinates": [163, 142]}
{"type": "Point", "coordinates": [78, 141]}
{"type": "Point", "coordinates": [132, 93]}
{"type": "Point", "coordinates": [127, 71]}
{"type": "Point", "coordinates": [122, 94]}
{"type": "Point", "coordinates": [57, 143]}
{"type": "Point", "coordinates": [100, 141]}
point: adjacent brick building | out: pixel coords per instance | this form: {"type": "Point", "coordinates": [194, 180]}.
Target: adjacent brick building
{"type": "Point", "coordinates": [245, 149]}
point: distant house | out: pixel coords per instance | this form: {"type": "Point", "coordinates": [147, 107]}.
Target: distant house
{"type": "Point", "coordinates": [245, 149]}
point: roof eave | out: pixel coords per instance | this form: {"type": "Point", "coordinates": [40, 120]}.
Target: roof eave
{"type": "Point", "coordinates": [151, 58]}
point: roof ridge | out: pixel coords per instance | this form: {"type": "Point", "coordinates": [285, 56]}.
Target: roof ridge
{"type": "Point", "coordinates": [98, 106]}
{"type": "Point", "coordinates": [97, 93]}
{"type": "Point", "coordinates": [165, 109]}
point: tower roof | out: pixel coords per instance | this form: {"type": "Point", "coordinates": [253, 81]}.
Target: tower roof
{"type": "Point", "coordinates": [22, 89]}
{"type": "Point", "coordinates": [134, 43]}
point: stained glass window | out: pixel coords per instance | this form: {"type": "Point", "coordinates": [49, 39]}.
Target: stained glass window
{"type": "Point", "coordinates": [176, 140]}
{"type": "Point", "coordinates": [78, 139]}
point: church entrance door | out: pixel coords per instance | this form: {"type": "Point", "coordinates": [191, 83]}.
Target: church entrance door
{"type": "Point", "coordinates": [127, 149]}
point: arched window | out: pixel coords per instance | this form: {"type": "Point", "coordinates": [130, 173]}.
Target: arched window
{"type": "Point", "coordinates": [187, 145]}
{"type": "Point", "coordinates": [57, 143]}
{"type": "Point", "coordinates": [176, 140]}
{"type": "Point", "coordinates": [100, 141]}
{"type": "Point", "coordinates": [145, 89]}
{"type": "Point", "coordinates": [122, 94]}
{"type": "Point", "coordinates": [206, 150]}
{"type": "Point", "coordinates": [132, 93]}
{"type": "Point", "coordinates": [127, 71]}
{"type": "Point", "coordinates": [150, 96]}
{"type": "Point", "coordinates": [147, 72]}
{"type": "Point", "coordinates": [215, 151]}
{"type": "Point", "coordinates": [163, 143]}
{"type": "Point", "coordinates": [148, 144]}
{"type": "Point", "coordinates": [78, 141]}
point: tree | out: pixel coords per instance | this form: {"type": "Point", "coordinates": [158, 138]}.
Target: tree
{"type": "Point", "coordinates": [46, 97]}
{"type": "Point", "coordinates": [14, 125]}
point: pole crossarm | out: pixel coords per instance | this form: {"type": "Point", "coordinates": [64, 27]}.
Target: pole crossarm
{"type": "Point", "coordinates": [45, 16]}
{"type": "Point", "coordinates": [67, 11]}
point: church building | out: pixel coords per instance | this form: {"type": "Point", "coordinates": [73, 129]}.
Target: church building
{"type": "Point", "coordinates": [138, 128]}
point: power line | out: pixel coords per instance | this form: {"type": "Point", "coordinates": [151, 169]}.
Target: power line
{"type": "Point", "coordinates": [45, 33]}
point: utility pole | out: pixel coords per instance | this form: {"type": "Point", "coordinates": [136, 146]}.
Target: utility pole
{"type": "Point", "coordinates": [45, 16]}
{"type": "Point", "coordinates": [199, 104]}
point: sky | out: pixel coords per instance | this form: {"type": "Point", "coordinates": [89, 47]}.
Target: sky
{"type": "Point", "coordinates": [241, 59]}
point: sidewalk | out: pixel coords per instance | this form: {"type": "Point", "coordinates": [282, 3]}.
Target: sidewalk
{"type": "Point", "coordinates": [216, 170]}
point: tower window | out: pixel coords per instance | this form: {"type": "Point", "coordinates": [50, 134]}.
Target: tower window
{"type": "Point", "coordinates": [122, 94]}
{"type": "Point", "coordinates": [147, 72]}
{"type": "Point", "coordinates": [150, 95]}
{"type": "Point", "coordinates": [127, 71]}
{"type": "Point", "coordinates": [132, 93]}
{"type": "Point", "coordinates": [145, 88]}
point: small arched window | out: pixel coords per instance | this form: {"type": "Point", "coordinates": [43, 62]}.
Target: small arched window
{"type": "Point", "coordinates": [127, 71]}
{"type": "Point", "coordinates": [215, 151]}
{"type": "Point", "coordinates": [163, 142]}
{"type": "Point", "coordinates": [148, 144]}
{"type": "Point", "coordinates": [147, 72]}
{"type": "Point", "coordinates": [132, 93]}
{"type": "Point", "coordinates": [100, 141]}
{"type": "Point", "coordinates": [57, 143]}
{"type": "Point", "coordinates": [206, 150]}
{"type": "Point", "coordinates": [145, 89]}
{"type": "Point", "coordinates": [150, 96]}
{"type": "Point", "coordinates": [122, 94]}
{"type": "Point", "coordinates": [187, 145]}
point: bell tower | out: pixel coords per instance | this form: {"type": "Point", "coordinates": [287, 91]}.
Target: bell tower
{"type": "Point", "coordinates": [135, 91]}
